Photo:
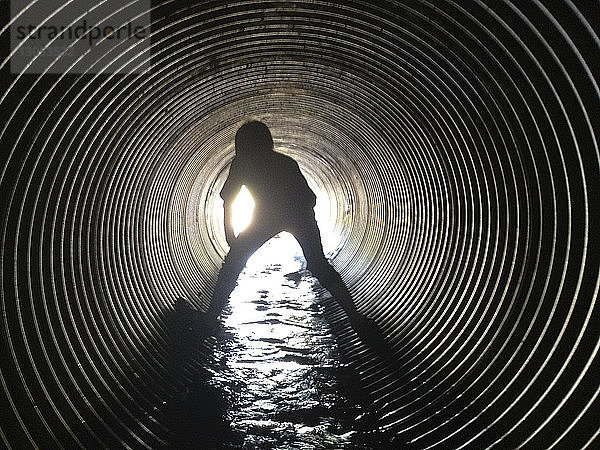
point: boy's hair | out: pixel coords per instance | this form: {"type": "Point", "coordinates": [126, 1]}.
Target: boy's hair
{"type": "Point", "coordinates": [253, 136]}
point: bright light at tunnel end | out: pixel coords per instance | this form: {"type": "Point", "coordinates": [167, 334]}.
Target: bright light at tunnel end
{"type": "Point", "coordinates": [243, 206]}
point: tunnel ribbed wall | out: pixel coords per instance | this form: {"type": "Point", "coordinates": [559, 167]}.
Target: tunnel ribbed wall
{"type": "Point", "coordinates": [457, 143]}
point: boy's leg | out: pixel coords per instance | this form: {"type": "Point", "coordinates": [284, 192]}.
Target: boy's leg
{"type": "Point", "coordinates": [242, 248]}
{"type": "Point", "coordinates": [308, 236]}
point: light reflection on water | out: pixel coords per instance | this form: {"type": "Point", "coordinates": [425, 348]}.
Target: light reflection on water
{"type": "Point", "coordinates": [278, 359]}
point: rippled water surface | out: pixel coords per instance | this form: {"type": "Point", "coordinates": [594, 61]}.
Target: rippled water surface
{"type": "Point", "coordinates": [274, 379]}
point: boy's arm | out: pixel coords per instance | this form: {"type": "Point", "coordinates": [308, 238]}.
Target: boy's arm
{"type": "Point", "coordinates": [228, 221]}
{"type": "Point", "coordinates": [229, 192]}
{"type": "Point", "coordinates": [306, 188]}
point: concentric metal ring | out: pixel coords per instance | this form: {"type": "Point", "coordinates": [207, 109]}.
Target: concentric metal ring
{"type": "Point", "coordinates": [456, 143]}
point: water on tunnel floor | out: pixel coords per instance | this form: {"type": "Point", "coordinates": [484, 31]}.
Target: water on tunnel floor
{"type": "Point", "coordinates": [275, 379]}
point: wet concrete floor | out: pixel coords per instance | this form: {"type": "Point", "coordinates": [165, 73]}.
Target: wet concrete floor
{"type": "Point", "coordinates": [272, 376]}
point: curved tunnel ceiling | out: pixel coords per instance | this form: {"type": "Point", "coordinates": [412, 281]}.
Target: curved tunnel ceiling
{"type": "Point", "coordinates": [456, 143]}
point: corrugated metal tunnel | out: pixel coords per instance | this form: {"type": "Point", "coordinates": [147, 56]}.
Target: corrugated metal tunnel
{"type": "Point", "coordinates": [454, 146]}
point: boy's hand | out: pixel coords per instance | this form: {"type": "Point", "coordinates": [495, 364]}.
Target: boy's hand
{"type": "Point", "coordinates": [230, 237]}
{"type": "Point", "coordinates": [228, 221]}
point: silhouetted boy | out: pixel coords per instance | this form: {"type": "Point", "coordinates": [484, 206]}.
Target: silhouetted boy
{"type": "Point", "coordinates": [283, 202]}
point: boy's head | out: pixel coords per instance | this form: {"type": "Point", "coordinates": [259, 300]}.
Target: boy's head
{"type": "Point", "coordinates": [253, 138]}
